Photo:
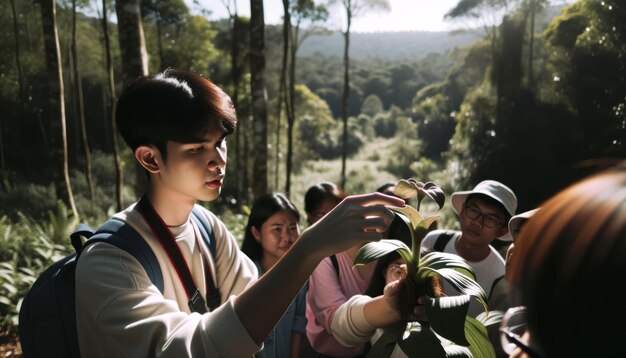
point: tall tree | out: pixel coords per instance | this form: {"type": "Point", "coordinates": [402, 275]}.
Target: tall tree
{"type": "Point", "coordinates": [134, 58]}
{"type": "Point", "coordinates": [259, 97]}
{"type": "Point", "coordinates": [282, 92]}
{"type": "Point", "coordinates": [79, 107]}
{"type": "Point", "coordinates": [132, 42]}
{"type": "Point", "coordinates": [18, 61]}
{"type": "Point", "coordinates": [56, 105]}
{"type": "Point", "coordinates": [235, 72]}
{"type": "Point", "coordinates": [20, 83]}
{"type": "Point", "coordinates": [119, 199]}
{"type": "Point", "coordinates": [298, 11]}
{"type": "Point", "coordinates": [353, 8]}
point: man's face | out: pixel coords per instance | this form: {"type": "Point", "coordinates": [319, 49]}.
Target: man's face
{"type": "Point", "coordinates": [196, 170]}
{"type": "Point", "coordinates": [481, 222]}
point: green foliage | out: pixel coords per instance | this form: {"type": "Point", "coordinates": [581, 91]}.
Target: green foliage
{"type": "Point", "coordinates": [27, 247]}
{"type": "Point", "coordinates": [406, 148]}
{"type": "Point", "coordinates": [372, 105]}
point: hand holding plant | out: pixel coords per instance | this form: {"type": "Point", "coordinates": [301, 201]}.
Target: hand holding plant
{"type": "Point", "coordinates": [447, 316]}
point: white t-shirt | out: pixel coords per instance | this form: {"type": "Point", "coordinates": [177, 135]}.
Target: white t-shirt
{"type": "Point", "coordinates": [486, 270]}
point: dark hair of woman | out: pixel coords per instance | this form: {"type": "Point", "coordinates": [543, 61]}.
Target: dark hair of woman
{"type": "Point", "coordinates": [317, 193]}
{"type": "Point", "coordinates": [264, 207]}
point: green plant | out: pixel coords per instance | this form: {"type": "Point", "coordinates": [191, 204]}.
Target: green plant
{"type": "Point", "coordinates": [27, 247]}
{"type": "Point", "coordinates": [447, 316]}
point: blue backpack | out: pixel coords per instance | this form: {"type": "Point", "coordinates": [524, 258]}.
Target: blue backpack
{"type": "Point", "coordinates": [47, 318]}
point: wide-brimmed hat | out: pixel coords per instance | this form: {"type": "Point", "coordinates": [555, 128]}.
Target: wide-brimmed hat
{"type": "Point", "coordinates": [516, 222]}
{"type": "Point", "coordinates": [491, 188]}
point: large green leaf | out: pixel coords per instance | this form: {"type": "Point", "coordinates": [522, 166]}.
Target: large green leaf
{"type": "Point", "coordinates": [418, 225]}
{"type": "Point", "coordinates": [477, 335]}
{"type": "Point", "coordinates": [447, 317]}
{"type": "Point", "coordinates": [438, 260]}
{"type": "Point", "coordinates": [385, 345]}
{"type": "Point", "coordinates": [407, 219]}
{"type": "Point", "coordinates": [422, 342]}
{"type": "Point", "coordinates": [459, 281]}
{"type": "Point", "coordinates": [375, 250]}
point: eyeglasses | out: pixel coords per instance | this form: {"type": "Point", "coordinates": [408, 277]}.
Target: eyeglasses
{"type": "Point", "coordinates": [395, 271]}
{"type": "Point", "coordinates": [513, 332]}
{"type": "Point", "coordinates": [488, 220]}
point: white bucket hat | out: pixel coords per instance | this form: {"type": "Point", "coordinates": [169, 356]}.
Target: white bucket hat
{"type": "Point", "coordinates": [493, 189]}
{"type": "Point", "coordinates": [516, 222]}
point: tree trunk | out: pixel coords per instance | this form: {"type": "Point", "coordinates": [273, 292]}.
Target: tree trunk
{"type": "Point", "coordinates": [282, 93]}
{"type": "Point", "coordinates": [259, 96]}
{"type": "Point", "coordinates": [18, 62]}
{"type": "Point", "coordinates": [132, 43]}
{"type": "Point", "coordinates": [134, 60]}
{"type": "Point", "coordinates": [20, 84]}
{"type": "Point", "coordinates": [240, 160]}
{"type": "Point", "coordinates": [346, 93]}
{"type": "Point", "coordinates": [112, 98]}
{"type": "Point", "coordinates": [291, 111]}
{"type": "Point", "coordinates": [162, 63]}
{"type": "Point", "coordinates": [531, 43]}
{"type": "Point", "coordinates": [79, 105]}
{"type": "Point", "coordinates": [56, 106]}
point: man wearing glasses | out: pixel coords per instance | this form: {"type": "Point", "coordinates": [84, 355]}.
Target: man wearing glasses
{"type": "Point", "coordinates": [484, 213]}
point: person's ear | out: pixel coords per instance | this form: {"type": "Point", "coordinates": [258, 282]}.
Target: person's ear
{"type": "Point", "coordinates": [256, 233]}
{"type": "Point", "coordinates": [148, 157]}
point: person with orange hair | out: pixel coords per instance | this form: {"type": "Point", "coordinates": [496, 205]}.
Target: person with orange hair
{"type": "Point", "coordinates": [569, 266]}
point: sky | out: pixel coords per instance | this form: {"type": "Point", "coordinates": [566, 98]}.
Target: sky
{"type": "Point", "coordinates": [405, 15]}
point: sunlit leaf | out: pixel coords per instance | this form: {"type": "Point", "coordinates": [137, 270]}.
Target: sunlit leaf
{"type": "Point", "coordinates": [375, 250]}
{"type": "Point", "coordinates": [477, 335]}
{"type": "Point", "coordinates": [461, 283]}
{"type": "Point", "coordinates": [439, 260]}
{"type": "Point", "coordinates": [410, 212]}
{"type": "Point", "coordinates": [9, 287]}
{"type": "Point", "coordinates": [418, 224]}
{"type": "Point", "coordinates": [447, 316]}
{"type": "Point", "coordinates": [5, 301]}
{"type": "Point", "coordinates": [422, 343]}
{"type": "Point", "coordinates": [490, 318]}
{"type": "Point", "coordinates": [406, 189]}
{"type": "Point", "coordinates": [455, 351]}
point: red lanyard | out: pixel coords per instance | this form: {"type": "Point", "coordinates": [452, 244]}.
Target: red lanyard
{"type": "Point", "coordinates": [161, 231]}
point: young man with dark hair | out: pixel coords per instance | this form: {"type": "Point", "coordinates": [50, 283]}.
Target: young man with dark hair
{"type": "Point", "coordinates": [484, 213]}
{"type": "Point", "coordinates": [176, 124]}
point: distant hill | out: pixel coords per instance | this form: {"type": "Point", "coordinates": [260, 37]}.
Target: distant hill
{"type": "Point", "coordinates": [410, 45]}
{"type": "Point", "coordinates": [386, 45]}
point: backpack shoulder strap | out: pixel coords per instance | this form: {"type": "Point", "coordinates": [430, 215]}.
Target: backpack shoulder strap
{"type": "Point", "coordinates": [123, 236]}
{"type": "Point", "coordinates": [443, 240]}
{"type": "Point", "coordinates": [206, 231]}
{"type": "Point", "coordinates": [333, 260]}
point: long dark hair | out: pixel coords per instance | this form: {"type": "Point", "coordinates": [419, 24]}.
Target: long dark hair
{"type": "Point", "coordinates": [264, 207]}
